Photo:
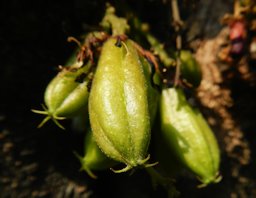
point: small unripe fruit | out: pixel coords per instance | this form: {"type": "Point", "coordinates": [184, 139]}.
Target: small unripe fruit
{"type": "Point", "coordinates": [189, 136]}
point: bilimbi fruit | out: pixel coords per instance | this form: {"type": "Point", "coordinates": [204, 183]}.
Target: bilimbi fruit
{"type": "Point", "coordinates": [93, 159]}
{"type": "Point", "coordinates": [119, 108]}
{"type": "Point", "coordinates": [190, 69]}
{"type": "Point", "coordinates": [189, 136]}
{"type": "Point", "coordinates": [67, 94]}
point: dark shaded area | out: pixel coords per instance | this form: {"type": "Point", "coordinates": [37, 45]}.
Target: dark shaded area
{"type": "Point", "coordinates": [40, 162]}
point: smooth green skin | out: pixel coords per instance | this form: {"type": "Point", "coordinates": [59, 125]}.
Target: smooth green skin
{"type": "Point", "coordinates": [118, 105]}
{"type": "Point", "coordinates": [209, 136]}
{"type": "Point", "coordinates": [189, 135]}
{"type": "Point", "coordinates": [63, 96]}
{"type": "Point", "coordinates": [190, 70]}
{"type": "Point", "coordinates": [94, 158]}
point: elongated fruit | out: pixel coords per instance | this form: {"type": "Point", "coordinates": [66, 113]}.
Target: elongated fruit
{"type": "Point", "coordinates": [67, 94]}
{"type": "Point", "coordinates": [190, 69]}
{"type": "Point", "coordinates": [189, 136]}
{"type": "Point", "coordinates": [93, 158]}
{"type": "Point", "coordinates": [118, 105]}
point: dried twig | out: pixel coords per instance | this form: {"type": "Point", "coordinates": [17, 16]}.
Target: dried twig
{"type": "Point", "coordinates": [177, 25]}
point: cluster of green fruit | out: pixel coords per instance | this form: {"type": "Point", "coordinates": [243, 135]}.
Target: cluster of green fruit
{"type": "Point", "coordinates": [112, 83]}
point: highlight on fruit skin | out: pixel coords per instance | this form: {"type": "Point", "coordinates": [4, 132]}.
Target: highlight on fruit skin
{"type": "Point", "coordinates": [66, 95]}
{"type": "Point", "coordinates": [189, 136]}
{"type": "Point", "coordinates": [118, 105]}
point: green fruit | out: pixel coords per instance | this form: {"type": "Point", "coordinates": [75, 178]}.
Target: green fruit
{"type": "Point", "coordinates": [209, 136]}
{"type": "Point", "coordinates": [190, 69]}
{"type": "Point", "coordinates": [93, 158]}
{"type": "Point", "coordinates": [189, 136]}
{"type": "Point", "coordinates": [67, 94]}
{"type": "Point", "coordinates": [118, 105]}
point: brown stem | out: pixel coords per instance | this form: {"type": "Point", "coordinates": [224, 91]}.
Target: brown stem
{"type": "Point", "coordinates": [177, 25]}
